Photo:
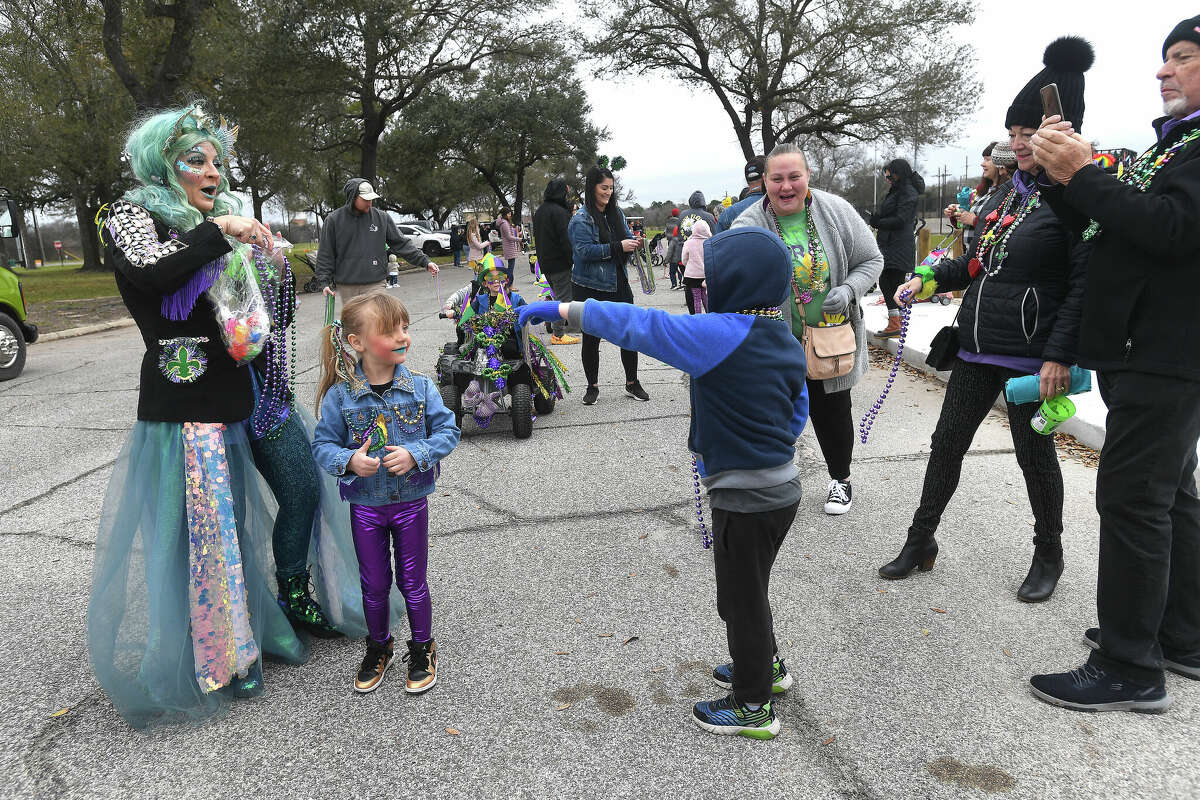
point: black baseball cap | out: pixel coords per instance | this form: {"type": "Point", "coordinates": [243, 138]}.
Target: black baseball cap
{"type": "Point", "coordinates": [754, 168]}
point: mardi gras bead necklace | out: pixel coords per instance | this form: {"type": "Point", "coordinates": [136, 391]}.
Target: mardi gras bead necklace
{"type": "Point", "coordinates": [489, 331]}
{"type": "Point", "coordinates": [1000, 226]}
{"type": "Point", "coordinates": [277, 399]}
{"type": "Point", "coordinates": [864, 425]}
{"type": "Point", "coordinates": [1143, 171]}
{"type": "Point", "coordinates": [813, 261]}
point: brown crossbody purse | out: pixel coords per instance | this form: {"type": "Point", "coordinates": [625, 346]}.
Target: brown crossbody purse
{"type": "Point", "coordinates": [830, 349]}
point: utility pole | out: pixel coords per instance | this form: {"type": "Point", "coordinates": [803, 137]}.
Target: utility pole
{"type": "Point", "coordinates": [37, 231]}
{"type": "Point", "coordinates": [942, 175]}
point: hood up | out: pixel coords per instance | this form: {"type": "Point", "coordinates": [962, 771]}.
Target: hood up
{"type": "Point", "coordinates": [746, 268]}
{"type": "Point", "coordinates": [696, 200]}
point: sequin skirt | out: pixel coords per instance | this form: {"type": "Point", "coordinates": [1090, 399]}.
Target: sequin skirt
{"type": "Point", "coordinates": [145, 591]}
{"type": "Point", "coordinates": [148, 602]}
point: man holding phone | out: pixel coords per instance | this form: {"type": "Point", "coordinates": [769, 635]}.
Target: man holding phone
{"type": "Point", "coordinates": [1139, 332]}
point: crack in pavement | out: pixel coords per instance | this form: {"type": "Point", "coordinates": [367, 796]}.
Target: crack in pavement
{"type": "Point", "coordinates": [56, 487]}
{"type": "Point", "coordinates": [82, 545]}
{"type": "Point", "coordinates": [43, 770]}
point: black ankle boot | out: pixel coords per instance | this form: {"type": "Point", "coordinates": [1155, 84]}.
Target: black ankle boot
{"type": "Point", "coordinates": [1043, 574]}
{"type": "Point", "coordinates": [918, 553]}
{"type": "Point", "coordinates": [302, 610]}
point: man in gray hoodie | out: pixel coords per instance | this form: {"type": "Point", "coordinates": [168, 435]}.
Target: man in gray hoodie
{"type": "Point", "coordinates": [356, 242]}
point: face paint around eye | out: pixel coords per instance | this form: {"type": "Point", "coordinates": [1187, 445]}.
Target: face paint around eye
{"type": "Point", "coordinates": [187, 169]}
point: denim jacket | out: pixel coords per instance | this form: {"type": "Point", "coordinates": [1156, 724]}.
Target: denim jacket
{"type": "Point", "coordinates": [594, 266]}
{"type": "Point", "coordinates": [409, 414]}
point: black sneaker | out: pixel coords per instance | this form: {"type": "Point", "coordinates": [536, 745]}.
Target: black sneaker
{"type": "Point", "coordinates": [1090, 688]}
{"type": "Point", "coordinates": [838, 501]}
{"type": "Point", "coordinates": [589, 397]}
{"type": "Point", "coordinates": [374, 665]}
{"type": "Point", "coordinates": [636, 391]}
{"type": "Point", "coordinates": [422, 667]}
{"type": "Point", "coordinates": [1187, 667]}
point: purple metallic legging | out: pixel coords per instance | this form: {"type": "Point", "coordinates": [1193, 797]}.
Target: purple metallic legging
{"type": "Point", "coordinates": [377, 529]}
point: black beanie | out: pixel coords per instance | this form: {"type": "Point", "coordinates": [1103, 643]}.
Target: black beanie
{"type": "Point", "coordinates": [1066, 60]}
{"type": "Point", "coordinates": [1186, 31]}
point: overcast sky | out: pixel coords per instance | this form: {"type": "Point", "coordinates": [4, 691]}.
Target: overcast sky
{"type": "Point", "coordinates": [677, 142]}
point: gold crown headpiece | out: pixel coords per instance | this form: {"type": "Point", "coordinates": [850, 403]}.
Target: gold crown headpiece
{"type": "Point", "coordinates": [224, 134]}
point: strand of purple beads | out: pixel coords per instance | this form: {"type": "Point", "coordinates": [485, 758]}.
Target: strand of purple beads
{"type": "Point", "coordinates": [864, 425]}
{"type": "Point", "coordinates": [704, 538]}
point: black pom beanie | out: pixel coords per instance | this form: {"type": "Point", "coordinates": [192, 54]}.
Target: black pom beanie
{"type": "Point", "coordinates": [1066, 60]}
{"type": "Point", "coordinates": [1186, 31]}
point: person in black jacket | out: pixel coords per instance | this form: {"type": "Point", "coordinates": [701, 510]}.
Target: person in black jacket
{"type": "Point", "coordinates": [894, 220]}
{"type": "Point", "coordinates": [1139, 332]}
{"type": "Point", "coordinates": [458, 241]}
{"type": "Point", "coordinates": [554, 253]}
{"type": "Point", "coordinates": [1020, 315]}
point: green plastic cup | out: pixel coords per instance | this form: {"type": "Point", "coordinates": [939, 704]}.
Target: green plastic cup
{"type": "Point", "coordinates": [329, 301]}
{"type": "Point", "coordinates": [1053, 412]}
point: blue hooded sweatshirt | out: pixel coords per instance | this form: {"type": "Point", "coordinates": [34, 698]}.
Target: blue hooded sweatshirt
{"type": "Point", "coordinates": [748, 396]}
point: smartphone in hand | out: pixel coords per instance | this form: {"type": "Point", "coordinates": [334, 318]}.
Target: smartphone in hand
{"type": "Point", "coordinates": [1051, 101]}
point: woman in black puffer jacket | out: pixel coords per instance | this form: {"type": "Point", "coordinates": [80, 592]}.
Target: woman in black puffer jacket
{"type": "Point", "coordinates": [1020, 315]}
{"type": "Point", "coordinates": [894, 223]}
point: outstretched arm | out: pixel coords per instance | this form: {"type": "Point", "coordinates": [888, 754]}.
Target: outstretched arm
{"type": "Point", "coordinates": [694, 344]}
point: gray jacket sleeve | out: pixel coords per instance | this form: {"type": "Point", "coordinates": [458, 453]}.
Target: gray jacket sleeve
{"type": "Point", "coordinates": [403, 247]}
{"type": "Point", "coordinates": [326, 253]}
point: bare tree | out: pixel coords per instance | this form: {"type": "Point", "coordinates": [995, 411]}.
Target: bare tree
{"type": "Point", "coordinates": [379, 56]}
{"type": "Point", "coordinates": [173, 61]}
{"type": "Point", "coordinates": [791, 69]}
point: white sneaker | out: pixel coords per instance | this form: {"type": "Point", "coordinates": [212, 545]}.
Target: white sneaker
{"type": "Point", "coordinates": [838, 501]}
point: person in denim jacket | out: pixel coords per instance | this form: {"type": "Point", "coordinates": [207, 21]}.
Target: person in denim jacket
{"type": "Point", "coordinates": [383, 431]}
{"type": "Point", "coordinates": [601, 242]}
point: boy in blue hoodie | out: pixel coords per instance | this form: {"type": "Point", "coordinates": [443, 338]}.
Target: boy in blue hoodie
{"type": "Point", "coordinates": [744, 442]}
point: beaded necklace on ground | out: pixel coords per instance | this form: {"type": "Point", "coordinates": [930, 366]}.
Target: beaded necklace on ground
{"type": "Point", "coordinates": [1001, 224]}
{"type": "Point", "coordinates": [814, 259]}
{"type": "Point", "coordinates": [1143, 171]}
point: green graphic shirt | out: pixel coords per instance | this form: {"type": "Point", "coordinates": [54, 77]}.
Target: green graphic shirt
{"type": "Point", "coordinates": [795, 235]}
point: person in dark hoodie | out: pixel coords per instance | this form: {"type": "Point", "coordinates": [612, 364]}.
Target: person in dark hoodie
{"type": "Point", "coordinates": [554, 249]}
{"type": "Point", "coordinates": [894, 223]}
{"type": "Point", "coordinates": [744, 450]}
{"type": "Point", "coordinates": [356, 242]}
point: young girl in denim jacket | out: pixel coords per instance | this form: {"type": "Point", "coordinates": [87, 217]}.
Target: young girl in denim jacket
{"type": "Point", "coordinates": [382, 431]}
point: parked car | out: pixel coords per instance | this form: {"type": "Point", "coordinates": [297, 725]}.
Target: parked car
{"type": "Point", "coordinates": [15, 330]}
{"type": "Point", "coordinates": [433, 243]}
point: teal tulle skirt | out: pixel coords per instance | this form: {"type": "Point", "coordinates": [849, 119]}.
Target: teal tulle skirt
{"type": "Point", "coordinates": [183, 608]}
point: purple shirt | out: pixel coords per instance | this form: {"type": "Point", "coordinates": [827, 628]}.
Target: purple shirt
{"type": "Point", "coordinates": [1173, 122]}
{"type": "Point", "coordinates": [1030, 366]}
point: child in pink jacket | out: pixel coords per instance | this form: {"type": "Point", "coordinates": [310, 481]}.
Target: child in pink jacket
{"type": "Point", "coordinates": [695, 290]}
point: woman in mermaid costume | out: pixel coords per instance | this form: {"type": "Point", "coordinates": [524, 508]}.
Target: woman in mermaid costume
{"type": "Point", "coordinates": [182, 608]}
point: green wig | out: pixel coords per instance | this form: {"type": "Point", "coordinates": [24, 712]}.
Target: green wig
{"type": "Point", "coordinates": [152, 149]}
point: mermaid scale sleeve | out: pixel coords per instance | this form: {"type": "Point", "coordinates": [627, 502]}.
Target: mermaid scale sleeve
{"type": "Point", "coordinates": [154, 266]}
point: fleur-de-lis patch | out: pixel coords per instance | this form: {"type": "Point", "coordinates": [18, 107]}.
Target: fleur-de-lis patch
{"type": "Point", "coordinates": [182, 359]}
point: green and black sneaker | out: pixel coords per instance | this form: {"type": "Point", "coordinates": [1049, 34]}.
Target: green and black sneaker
{"type": "Point", "coordinates": [728, 717]}
{"type": "Point", "coordinates": [781, 679]}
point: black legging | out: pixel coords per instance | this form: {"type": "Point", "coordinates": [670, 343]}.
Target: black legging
{"type": "Point", "coordinates": [591, 344]}
{"type": "Point", "coordinates": [969, 395]}
{"type": "Point", "coordinates": [889, 281]}
{"type": "Point", "coordinates": [830, 416]}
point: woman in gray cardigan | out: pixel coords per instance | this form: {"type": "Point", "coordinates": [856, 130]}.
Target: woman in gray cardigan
{"type": "Point", "coordinates": [835, 262]}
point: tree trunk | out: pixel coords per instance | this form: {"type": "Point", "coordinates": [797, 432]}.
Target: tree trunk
{"type": "Point", "coordinates": [37, 231]}
{"type": "Point", "coordinates": [257, 199]}
{"type": "Point", "coordinates": [519, 196]}
{"type": "Point", "coordinates": [85, 217]}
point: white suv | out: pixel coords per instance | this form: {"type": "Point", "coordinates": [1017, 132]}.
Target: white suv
{"type": "Point", "coordinates": [432, 243]}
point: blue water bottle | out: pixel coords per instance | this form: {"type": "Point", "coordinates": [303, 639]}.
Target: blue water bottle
{"type": "Point", "coordinates": [1027, 389]}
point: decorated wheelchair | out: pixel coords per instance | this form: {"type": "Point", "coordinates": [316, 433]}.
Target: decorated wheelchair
{"type": "Point", "coordinates": [497, 369]}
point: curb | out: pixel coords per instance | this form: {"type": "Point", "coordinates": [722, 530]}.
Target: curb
{"type": "Point", "coordinates": [83, 330]}
{"type": "Point", "coordinates": [1088, 433]}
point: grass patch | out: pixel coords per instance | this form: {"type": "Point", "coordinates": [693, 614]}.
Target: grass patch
{"type": "Point", "coordinates": [65, 282]}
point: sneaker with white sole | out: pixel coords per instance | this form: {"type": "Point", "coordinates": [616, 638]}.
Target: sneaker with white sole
{"type": "Point", "coordinates": [728, 717]}
{"type": "Point", "coordinates": [1090, 688]}
{"type": "Point", "coordinates": [590, 396]}
{"type": "Point", "coordinates": [781, 679]}
{"type": "Point", "coordinates": [636, 391]}
{"type": "Point", "coordinates": [374, 665]}
{"type": "Point", "coordinates": [838, 501]}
